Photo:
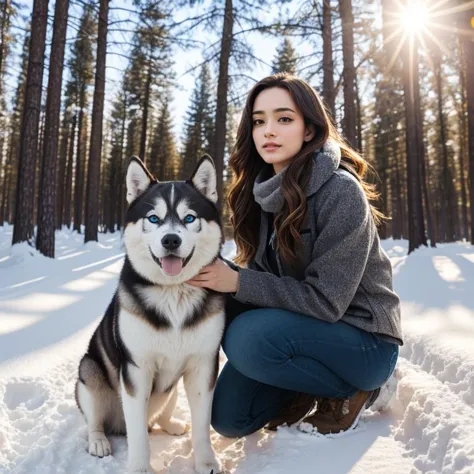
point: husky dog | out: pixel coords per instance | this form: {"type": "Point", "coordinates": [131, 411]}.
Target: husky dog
{"type": "Point", "coordinates": [158, 328]}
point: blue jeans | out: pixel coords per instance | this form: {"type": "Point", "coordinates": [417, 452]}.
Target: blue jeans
{"type": "Point", "coordinates": [273, 354]}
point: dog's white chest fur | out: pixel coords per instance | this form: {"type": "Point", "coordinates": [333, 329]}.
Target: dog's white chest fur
{"type": "Point", "coordinates": [175, 302]}
{"type": "Point", "coordinates": [169, 351]}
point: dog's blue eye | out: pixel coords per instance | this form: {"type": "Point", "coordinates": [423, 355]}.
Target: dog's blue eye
{"type": "Point", "coordinates": [154, 219]}
{"type": "Point", "coordinates": [189, 218]}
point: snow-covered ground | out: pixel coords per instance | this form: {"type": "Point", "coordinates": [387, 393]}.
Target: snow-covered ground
{"type": "Point", "coordinates": [49, 309]}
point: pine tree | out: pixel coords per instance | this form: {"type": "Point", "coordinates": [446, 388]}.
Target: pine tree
{"type": "Point", "coordinates": [7, 11]}
{"type": "Point", "coordinates": [95, 154]}
{"type": "Point", "coordinates": [47, 190]}
{"type": "Point", "coordinates": [164, 161]}
{"type": "Point", "coordinates": [149, 74]}
{"type": "Point", "coordinates": [11, 166]}
{"type": "Point", "coordinates": [285, 59]}
{"type": "Point", "coordinates": [116, 166]}
{"type": "Point", "coordinates": [199, 124]}
{"type": "Point", "coordinates": [329, 92]}
{"type": "Point", "coordinates": [222, 97]}
{"type": "Point", "coordinates": [24, 208]}
{"type": "Point", "coordinates": [81, 71]}
{"type": "Point", "coordinates": [349, 72]}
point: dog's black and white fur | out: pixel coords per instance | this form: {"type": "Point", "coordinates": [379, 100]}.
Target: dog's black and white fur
{"type": "Point", "coordinates": [158, 328]}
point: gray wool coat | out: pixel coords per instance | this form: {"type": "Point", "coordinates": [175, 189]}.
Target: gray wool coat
{"type": "Point", "coordinates": [344, 275]}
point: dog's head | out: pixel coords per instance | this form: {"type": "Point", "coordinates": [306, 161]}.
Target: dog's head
{"type": "Point", "coordinates": [172, 228]}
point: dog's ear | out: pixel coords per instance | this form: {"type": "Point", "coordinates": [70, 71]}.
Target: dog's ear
{"type": "Point", "coordinates": [204, 178]}
{"type": "Point", "coordinates": [138, 179]}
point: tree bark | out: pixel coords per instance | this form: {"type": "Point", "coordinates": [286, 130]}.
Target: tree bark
{"type": "Point", "coordinates": [328, 64]}
{"type": "Point", "coordinates": [47, 190]}
{"type": "Point", "coordinates": [447, 183]}
{"type": "Point", "coordinates": [24, 212]}
{"type": "Point", "coordinates": [420, 144]}
{"type": "Point", "coordinates": [79, 175]}
{"type": "Point", "coordinates": [359, 117]}
{"type": "Point", "coordinates": [63, 148]}
{"type": "Point", "coordinates": [468, 54]}
{"type": "Point", "coordinates": [221, 106]}
{"type": "Point", "coordinates": [120, 172]}
{"type": "Point", "coordinates": [3, 29]}
{"type": "Point", "coordinates": [93, 173]}
{"type": "Point", "coordinates": [416, 231]}
{"type": "Point", "coordinates": [462, 150]}
{"type": "Point", "coordinates": [68, 186]}
{"type": "Point", "coordinates": [146, 108]}
{"type": "Point", "coordinates": [349, 73]}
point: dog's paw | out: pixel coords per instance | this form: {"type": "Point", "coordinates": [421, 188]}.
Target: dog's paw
{"type": "Point", "coordinates": [211, 466]}
{"type": "Point", "coordinates": [99, 445]}
{"type": "Point", "coordinates": [175, 427]}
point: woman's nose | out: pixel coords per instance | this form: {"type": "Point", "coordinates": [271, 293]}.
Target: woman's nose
{"type": "Point", "coordinates": [269, 132]}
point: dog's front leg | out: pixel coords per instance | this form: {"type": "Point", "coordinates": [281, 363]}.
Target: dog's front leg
{"type": "Point", "coordinates": [135, 389]}
{"type": "Point", "coordinates": [199, 385]}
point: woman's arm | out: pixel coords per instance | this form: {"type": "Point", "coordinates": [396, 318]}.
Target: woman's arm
{"type": "Point", "coordinates": [339, 257]}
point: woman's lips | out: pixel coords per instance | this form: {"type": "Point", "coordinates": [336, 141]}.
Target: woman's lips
{"type": "Point", "coordinates": [271, 147]}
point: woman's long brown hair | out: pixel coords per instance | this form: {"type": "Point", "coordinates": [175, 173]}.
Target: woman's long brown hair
{"type": "Point", "coordinates": [246, 163]}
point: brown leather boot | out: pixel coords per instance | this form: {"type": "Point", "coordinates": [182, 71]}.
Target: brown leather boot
{"type": "Point", "coordinates": [294, 412]}
{"type": "Point", "coordinates": [334, 415]}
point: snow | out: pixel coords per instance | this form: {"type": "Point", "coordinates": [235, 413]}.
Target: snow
{"type": "Point", "coordinates": [49, 309]}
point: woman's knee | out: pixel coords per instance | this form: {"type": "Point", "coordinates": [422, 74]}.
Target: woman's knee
{"type": "Point", "coordinates": [241, 340]}
{"type": "Point", "coordinates": [256, 341]}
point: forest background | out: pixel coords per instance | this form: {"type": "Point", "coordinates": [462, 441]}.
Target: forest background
{"type": "Point", "coordinates": [84, 85]}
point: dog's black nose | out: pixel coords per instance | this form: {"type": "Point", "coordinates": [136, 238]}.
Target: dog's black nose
{"type": "Point", "coordinates": [171, 241]}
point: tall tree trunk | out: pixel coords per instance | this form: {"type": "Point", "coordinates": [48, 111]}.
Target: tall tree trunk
{"type": "Point", "coordinates": [329, 92]}
{"type": "Point", "coordinates": [447, 182]}
{"type": "Point", "coordinates": [6, 187]}
{"type": "Point", "coordinates": [79, 175]}
{"type": "Point", "coordinates": [62, 172]}
{"type": "Point", "coordinates": [416, 230]}
{"type": "Point", "coordinates": [462, 151]}
{"type": "Point", "coordinates": [93, 173]}
{"type": "Point", "coordinates": [468, 54]}
{"type": "Point", "coordinates": [3, 167]}
{"type": "Point", "coordinates": [47, 190]}
{"type": "Point", "coordinates": [146, 107]}
{"type": "Point", "coordinates": [397, 201]}
{"type": "Point", "coordinates": [24, 211]}
{"type": "Point", "coordinates": [359, 117]}
{"type": "Point", "coordinates": [120, 172]}
{"type": "Point", "coordinates": [3, 32]}
{"type": "Point", "coordinates": [221, 106]}
{"type": "Point", "coordinates": [111, 204]}
{"type": "Point", "coordinates": [349, 74]}
{"type": "Point", "coordinates": [422, 176]}
{"type": "Point", "coordinates": [68, 186]}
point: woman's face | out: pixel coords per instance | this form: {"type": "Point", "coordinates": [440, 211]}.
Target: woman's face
{"type": "Point", "coordinates": [279, 130]}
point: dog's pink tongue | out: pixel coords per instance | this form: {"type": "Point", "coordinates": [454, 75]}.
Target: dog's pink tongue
{"type": "Point", "coordinates": [172, 265]}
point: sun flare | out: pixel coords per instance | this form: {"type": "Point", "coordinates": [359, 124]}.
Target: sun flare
{"type": "Point", "coordinates": [414, 17]}
{"type": "Point", "coordinates": [424, 23]}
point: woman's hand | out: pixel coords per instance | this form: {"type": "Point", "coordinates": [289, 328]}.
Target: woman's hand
{"type": "Point", "coordinates": [218, 277]}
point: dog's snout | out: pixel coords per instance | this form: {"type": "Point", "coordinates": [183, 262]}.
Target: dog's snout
{"type": "Point", "coordinates": [171, 241]}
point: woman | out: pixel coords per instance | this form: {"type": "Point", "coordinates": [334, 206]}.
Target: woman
{"type": "Point", "coordinates": [313, 316]}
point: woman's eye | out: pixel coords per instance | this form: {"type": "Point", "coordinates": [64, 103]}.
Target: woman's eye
{"type": "Point", "coordinates": [154, 219]}
{"type": "Point", "coordinates": [189, 219]}
{"type": "Point", "coordinates": [286, 119]}
{"type": "Point", "coordinates": [257, 122]}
